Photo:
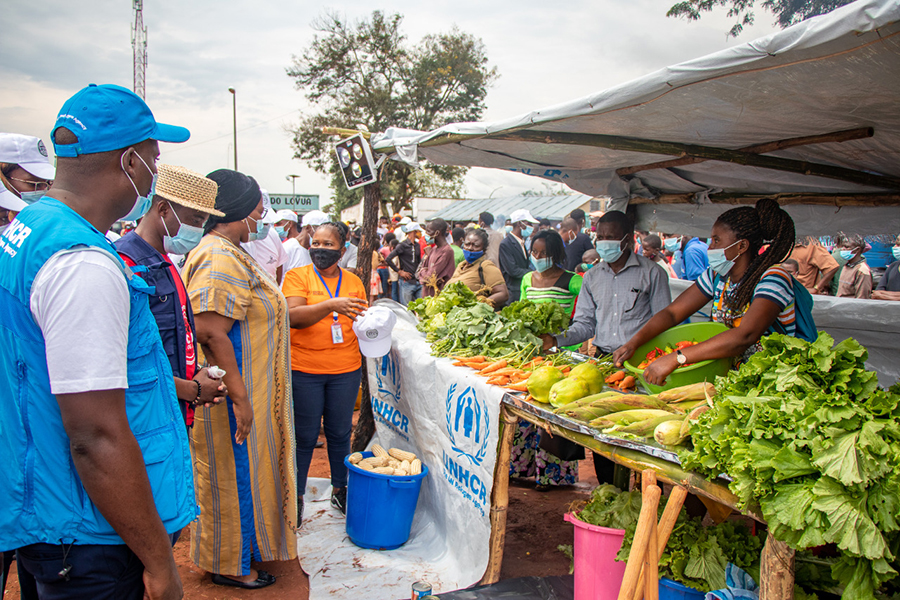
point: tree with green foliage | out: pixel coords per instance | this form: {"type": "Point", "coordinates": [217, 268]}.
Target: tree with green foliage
{"type": "Point", "coordinates": [787, 12]}
{"type": "Point", "coordinates": [368, 74]}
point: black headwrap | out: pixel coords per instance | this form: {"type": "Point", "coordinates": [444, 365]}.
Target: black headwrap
{"type": "Point", "coordinates": [238, 195]}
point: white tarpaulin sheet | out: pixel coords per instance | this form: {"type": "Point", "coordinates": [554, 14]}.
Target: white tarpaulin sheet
{"type": "Point", "coordinates": [831, 73]}
{"type": "Point", "coordinates": [450, 418]}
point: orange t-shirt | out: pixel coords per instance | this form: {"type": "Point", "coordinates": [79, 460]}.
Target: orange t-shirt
{"type": "Point", "coordinates": [312, 350]}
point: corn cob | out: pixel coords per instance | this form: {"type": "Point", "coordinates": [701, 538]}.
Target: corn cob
{"type": "Point", "coordinates": [669, 433]}
{"type": "Point", "coordinates": [365, 466]}
{"type": "Point", "coordinates": [355, 458]}
{"type": "Point", "coordinates": [383, 470]}
{"type": "Point", "coordinates": [686, 406]}
{"type": "Point", "coordinates": [647, 427]}
{"type": "Point", "coordinates": [692, 416]}
{"type": "Point", "coordinates": [631, 401]}
{"type": "Point", "coordinates": [586, 401]}
{"type": "Point", "coordinates": [415, 467]}
{"type": "Point", "coordinates": [694, 391]}
{"type": "Point", "coordinates": [401, 454]}
{"type": "Point", "coordinates": [375, 461]}
{"type": "Point", "coordinates": [401, 472]}
{"type": "Point", "coordinates": [404, 465]}
{"type": "Point", "coordinates": [378, 450]}
{"type": "Point", "coordinates": [626, 417]}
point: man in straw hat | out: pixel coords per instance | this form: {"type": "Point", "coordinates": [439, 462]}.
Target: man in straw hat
{"type": "Point", "coordinates": [174, 225]}
{"type": "Point", "coordinates": [97, 475]}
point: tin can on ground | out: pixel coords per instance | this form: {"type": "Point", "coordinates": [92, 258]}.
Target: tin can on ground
{"type": "Point", "coordinates": [420, 589]}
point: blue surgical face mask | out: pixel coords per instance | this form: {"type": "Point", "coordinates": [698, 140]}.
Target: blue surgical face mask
{"type": "Point", "coordinates": [896, 252]}
{"type": "Point", "coordinates": [718, 262]}
{"type": "Point", "coordinates": [610, 250]}
{"type": "Point", "coordinates": [847, 254]}
{"type": "Point", "coordinates": [282, 232]}
{"type": "Point", "coordinates": [541, 264]}
{"type": "Point", "coordinates": [527, 231]}
{"type": "Point", "coordinates": [672, 244]}
{"type": "Point", "coordinates": [347, 244]}
{"type": "Point", "coordinates": [472, 256]}
{"type": "Point", "coordinates": [429, 239]}
{"type": "Point", "coordinates": [142, 203]}
{"type": "Point", "coordinates": [32, 197]}
{"type": "Point", "coordinates": [261, 233]}
{"type": "Point", "coordinates": [586, 266]}
{"type": "Point", "coordinates": [185, 239]}
{"type": "Point", "coordinates": [508, 229]}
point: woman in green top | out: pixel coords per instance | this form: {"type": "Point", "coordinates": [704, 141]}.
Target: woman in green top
{"type": "Point", "coordinates": [549, 282]}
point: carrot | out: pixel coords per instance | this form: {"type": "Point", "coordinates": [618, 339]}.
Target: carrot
{"type": "Point", "coordinates": [477, 359]}
{"type": "Point", "coordinates": [627, 383]}
{"type": "Point", "coordinates": [498, 380]}
{"type": "Point", "coordinates": [476, 365]}
{"type": "Point", "coordinates": [521, 386]}
{"type": "Point", "coordinates": [460, 363]}
{"type": "Point", "coordinates": [494, 366]}
{"type": "Point", "coordinates": [565, 369]}
{"type": "Point", "coordinates": [616, 377]}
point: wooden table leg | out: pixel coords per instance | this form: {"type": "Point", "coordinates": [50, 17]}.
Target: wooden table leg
{"type": "Point", "coordinates": [500, 497]}
{"type": "Point", "coordinates": [777, 572]}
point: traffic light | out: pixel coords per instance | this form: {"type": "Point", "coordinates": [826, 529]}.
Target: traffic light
{"type": "Point", "coordinates": [355, 159]}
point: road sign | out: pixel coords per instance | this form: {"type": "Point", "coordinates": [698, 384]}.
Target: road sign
{"type": "Point", "coordinates": [299, 203]}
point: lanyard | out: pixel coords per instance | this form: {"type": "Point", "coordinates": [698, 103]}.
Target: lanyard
{"type": "Point", "coordinates": [337, 290]}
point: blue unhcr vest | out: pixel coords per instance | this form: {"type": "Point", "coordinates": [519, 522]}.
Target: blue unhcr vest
{"type": "Point", "coordinates": [43, 498]}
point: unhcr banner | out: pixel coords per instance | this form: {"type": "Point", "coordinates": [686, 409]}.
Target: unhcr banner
{"type": "Point", "coordinates": [449, 417]}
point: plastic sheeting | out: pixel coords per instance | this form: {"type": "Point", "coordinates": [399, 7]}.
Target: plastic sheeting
{"type": "Point", "coordinates": [830, 73]}
{"type": "Point", "coordinates": [873, 323]}
{"type": "Point", "coordinates": [450, 419]}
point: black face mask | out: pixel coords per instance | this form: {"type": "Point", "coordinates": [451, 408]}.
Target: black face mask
{"type": "Point", "coordinates": [323, 258]}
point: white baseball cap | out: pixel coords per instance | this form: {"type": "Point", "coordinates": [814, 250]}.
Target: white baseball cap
{"type": "Point", "coordinates": [10, 201]}
{"type": "Point", "coordinates": [286, 215]}
{"type": "Point", "coordinates": [28, 152]}
{"type": "Point", "coordinates": [270, 216]}
{"type": "Point", "coordinates": [405, 221]}
{"type": "Point", "coordinates": [522, 215]}
{"type": "Point", "coordinates": [411, 227]}
{"type": "Point", "coordinates": [314, 217]}
{"type": "Point", "coordinates": [267, 204]}
{"type": "Point", "coordinates": [373, 330]}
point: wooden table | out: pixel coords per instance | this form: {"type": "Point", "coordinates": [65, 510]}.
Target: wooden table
{"type": "Point", "coordinates": [777, 559]}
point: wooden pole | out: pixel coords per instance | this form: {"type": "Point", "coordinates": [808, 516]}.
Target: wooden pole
{"type": "Point", "coordinates": [650, 568]}
{"type": "Point", "coordinates": [500, 498]}
{"type": "Point", "coordinates": [646, 523]}
{"type": "Point", "coordinates": [368, 243]}
{"type": "Point", "coordinates": [837, 136]}
{"type": "Point", "coordinates": [777, 572]}
{"type": "Point", "coordinates": [629, 144]}
{"type": "Point", "coordinates": [665, 527]}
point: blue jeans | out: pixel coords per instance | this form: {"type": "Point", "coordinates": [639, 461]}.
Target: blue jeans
{"type": "Point", "coordinates": [395, 291]}
{"type": "Point", "coordinates": [385, 282]}
{"type": "Point", "coordinates": [328, 399]}
{"type": "Point", "coordinates": [409, 291]}
{"type": "Point", "coordinates": [111, 572]}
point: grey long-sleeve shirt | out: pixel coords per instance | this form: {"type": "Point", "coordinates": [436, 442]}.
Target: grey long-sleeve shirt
{"type": "Point", "coordinates": [614, 306]}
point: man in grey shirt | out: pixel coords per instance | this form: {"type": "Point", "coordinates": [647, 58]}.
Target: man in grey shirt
{"type": "Point", "coordinates": [619, 295]}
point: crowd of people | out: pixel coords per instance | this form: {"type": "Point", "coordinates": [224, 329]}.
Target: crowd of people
{"type": "Point", "coordinates": [178, 373]}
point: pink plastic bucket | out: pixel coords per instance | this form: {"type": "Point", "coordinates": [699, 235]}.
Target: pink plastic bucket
{"type": "Point", "coordinates": [597, 574]}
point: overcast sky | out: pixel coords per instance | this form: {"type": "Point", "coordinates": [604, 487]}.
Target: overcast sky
{"type": "Point", "coordinates": [545, 52]}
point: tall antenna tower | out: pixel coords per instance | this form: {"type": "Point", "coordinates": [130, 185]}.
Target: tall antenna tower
{"type": "Point", "coordinates": [139, 44]}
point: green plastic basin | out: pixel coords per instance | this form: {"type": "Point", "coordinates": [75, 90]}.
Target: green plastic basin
{"type": "Point", "coordinates": [706, 370]}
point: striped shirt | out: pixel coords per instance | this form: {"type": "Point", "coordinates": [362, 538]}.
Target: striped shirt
{"type": "Point", "coordinates": [775, 285]}
{"type": "Point", "coordinates": [564, 291]}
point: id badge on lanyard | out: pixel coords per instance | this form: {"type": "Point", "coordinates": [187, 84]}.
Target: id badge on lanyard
{"type": "Point", "coordinates": [337, 333]}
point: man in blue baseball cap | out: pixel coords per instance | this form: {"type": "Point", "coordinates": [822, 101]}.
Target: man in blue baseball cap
{"type": "Point", "coordinates": [97, 477]}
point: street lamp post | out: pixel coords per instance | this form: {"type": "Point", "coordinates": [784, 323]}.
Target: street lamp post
{"type": "Point", "coordinates": [293, 180]}
{"type": "Point", "coordinates": [234, 113]}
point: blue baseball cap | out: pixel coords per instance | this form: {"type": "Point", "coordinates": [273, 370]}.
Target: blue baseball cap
{"type": "Point", "coordinates": [110, 117]}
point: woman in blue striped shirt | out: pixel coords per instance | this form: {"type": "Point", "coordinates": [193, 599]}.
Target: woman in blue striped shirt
{"type": "Point", "coordinates": [751, 293]}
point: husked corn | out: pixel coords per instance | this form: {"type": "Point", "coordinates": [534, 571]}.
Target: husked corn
{"type": "Point", "coordinates": [365, 466]}
{"type": "Point", "coordinates": [355, 458]}
{"type": "Point", "coordinates": [401, 454]}
{"type": "Point", "coordinates": [404, 465]}
{"type": "Point", "coordinates": [393, 462]}
{"type": "Point", "coordinates": [374, 461]}
{"type": "Point", "coordinates": [379, 451]}
{"type": "Point", "coordinates": [415, 467]}
{"type": "Point", "coordinates": [401, 472]}
{"type": "Point", "coordinates": [383, 470]}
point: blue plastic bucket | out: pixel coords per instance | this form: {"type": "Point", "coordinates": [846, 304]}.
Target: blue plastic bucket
{"type": "Point", "coordinates": [380, 508]}
{"type": "Point", "coordinates": [672, 590]}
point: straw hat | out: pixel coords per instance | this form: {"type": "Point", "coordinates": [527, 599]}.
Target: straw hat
{"type": "Point", "coordinates": [187, 188]}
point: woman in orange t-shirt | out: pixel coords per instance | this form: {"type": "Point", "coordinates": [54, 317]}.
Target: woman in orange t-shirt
{"type": "Point", "coordinates": [324, 300]}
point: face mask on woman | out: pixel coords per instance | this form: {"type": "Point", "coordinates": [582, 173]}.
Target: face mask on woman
{"type": "Point", "coordinates": [472, 256]}
{"type": "Point", "coordinates": [324, 258]}
{"type": "Point", "coordinates": [541, 264]}
{"type": "Point", "coordinates": [261, 233]}
{"type": "Point", "coordinates": [718, 262]}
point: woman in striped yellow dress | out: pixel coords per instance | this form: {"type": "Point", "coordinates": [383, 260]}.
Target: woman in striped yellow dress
{"type": "Point", "coordinates": [244, 465]}
{"type": "Point", "coordinates": [549, 282]}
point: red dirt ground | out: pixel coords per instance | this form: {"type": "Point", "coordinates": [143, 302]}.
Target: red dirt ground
{"type": "Point", "coordinates": [535, 528]}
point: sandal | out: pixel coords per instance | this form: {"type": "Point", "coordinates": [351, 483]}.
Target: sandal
{"type": "Point", "coordinates": [263, 579]}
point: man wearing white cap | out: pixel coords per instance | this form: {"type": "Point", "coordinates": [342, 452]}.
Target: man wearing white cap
{"type": "Point", "coordinates": [25, 168]}
{"type": "Point", "coordinates": [286, 224]}
{"type": "Point", "coordinates": [268, 250]}
{"type": "Point", "coordinates": [409, 255]}
{"type": "Point", "coordinates": [297, 247]}
{"type": "Point", "coordinates": [514, 262]}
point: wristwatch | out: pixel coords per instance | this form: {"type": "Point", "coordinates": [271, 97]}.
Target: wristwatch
{"type": "Point", "coordinates": [680, 357]}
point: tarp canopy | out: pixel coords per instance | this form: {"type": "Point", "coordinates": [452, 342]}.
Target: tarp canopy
{"type": "Point", "coordinates": [808, 115]}
{"type": "Point", "coordinates": [555, 207]}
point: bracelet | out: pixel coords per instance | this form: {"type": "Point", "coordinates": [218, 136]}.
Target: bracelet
{"type": "Point", "coordinates": [199, 389]}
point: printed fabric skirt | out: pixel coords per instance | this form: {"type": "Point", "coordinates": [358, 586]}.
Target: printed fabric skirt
{"type": "Point", "coordinates": [527, 460]}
